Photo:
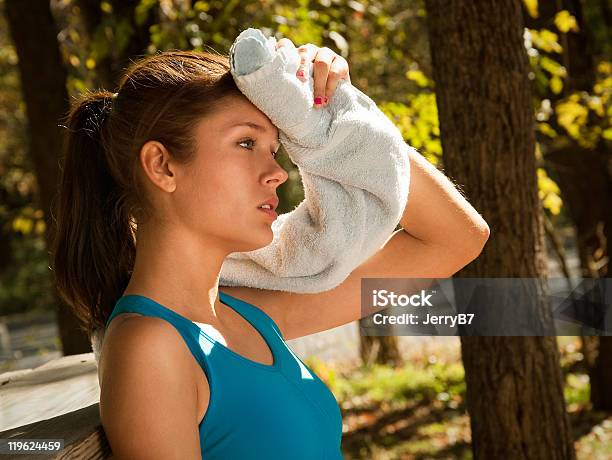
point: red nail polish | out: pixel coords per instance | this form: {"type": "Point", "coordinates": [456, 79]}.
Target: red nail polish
{"type": "Point", "coordinates": [317, 100]}
{"type": "Point", "coordinates": [325, 100]}
{"type": "Point", "coordinates": [300, 73]}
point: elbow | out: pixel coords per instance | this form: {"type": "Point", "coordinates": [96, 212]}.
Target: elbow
{"type": "Point", "coordinates": [478, 239]}
{"type": "Point", "coordinates": [470, 244]}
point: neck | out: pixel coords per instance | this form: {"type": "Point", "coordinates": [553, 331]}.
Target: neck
{"type": "Point", "coordinates": [179, 270]}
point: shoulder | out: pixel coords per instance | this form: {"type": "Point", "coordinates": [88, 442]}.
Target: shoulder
{"type": "Point", "coordinates": [148, 374]}
{"type": "Point", "coordinates": [131, 337]}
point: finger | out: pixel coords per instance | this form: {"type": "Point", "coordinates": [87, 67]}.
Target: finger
{"type": "Point", "coordinates": [307, 53]}
{"type": "Point", "coordinates": [337, 71]}
{"type": "Point", "coordinates": [322, 64]}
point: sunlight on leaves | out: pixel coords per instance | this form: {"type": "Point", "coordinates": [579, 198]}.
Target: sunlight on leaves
{"type": "Point", "coordinates": [566, 22]}
{"type": "Point", "coordinates": [556, 85]}
{"type": "Point", "coordinates": [546, 40]}
{"type": "Point", "coordinates": [532, 7]}
{"type": "Point", "coordinates": [547, 130]}
{"type": "Point", "coordinates": [549, 192]}
{"type": "Point", "coordinates": [571, 115]}
{"type": "Point", "coordinates": [553, 67]}
{"type": "Point", "coordinates": [418, 77]}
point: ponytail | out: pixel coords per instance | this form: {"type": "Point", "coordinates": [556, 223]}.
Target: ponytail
{"type": "Point", "coordinates": [93, 248]}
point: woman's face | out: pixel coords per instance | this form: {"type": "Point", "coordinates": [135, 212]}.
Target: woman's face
{"type": "Point", "coordinates": [233, 173]}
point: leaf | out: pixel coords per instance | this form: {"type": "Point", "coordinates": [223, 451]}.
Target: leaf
{"type": "Point", "coordinates": [546, 40]}
{"type": "Point", "coordinates": [553, 67]}
{"type": "Point", "coordinates": [418, 77]}
{"type": "Point", "coordinates": [549, 191]}
{"type": "Point", "coordinates": [595, 103]}
{"type": "Point", "coordinates": [546, 129]}
{"type": "Point", "coordinates": [566, 22]}
{"type": "Point", "coordinates": [556, 85]}
{"type": "Point", "coordinates": [572, 116]}
{"type": "Point", "coordinates": [201, 6]}
{"type": "Point", "coordinates": [532, 7]}
{"type": "Point", "coordinates": [22, 225]}
{"type": "Point", "coordinates": [106, 7]}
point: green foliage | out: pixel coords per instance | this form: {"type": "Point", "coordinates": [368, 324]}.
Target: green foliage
{"type": "Point", "coordinates": [439, 381]}
{"type": "Point", "coordinates": [142, 11]}
{"type": "Point", "coordinates": [564, 117]}
{"type": "Point", "coordinates": [417, 120]}
{"type": "Point", "coordinates": [577, 389]}
{"type": "Point", "coordinates": [586, 117]}
{"type": "Point", "coordinates": [323, 370]}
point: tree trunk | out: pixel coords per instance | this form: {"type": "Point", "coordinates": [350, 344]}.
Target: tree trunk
{"type": "Point", "coordinates": [571, 164]}
{"type": "Point", "coordinates": [43, 83]}
{"type": "Point", "coordinates": [514, 384]}
{"type": "Point", "coordinates": [380, 350]}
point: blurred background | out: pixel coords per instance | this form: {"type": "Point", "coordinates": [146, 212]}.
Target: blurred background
{"type": "Point", "coordinates": [402, 397]}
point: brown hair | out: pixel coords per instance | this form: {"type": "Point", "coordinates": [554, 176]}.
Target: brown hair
{"type": "Point", "coordinates": [160, 97]}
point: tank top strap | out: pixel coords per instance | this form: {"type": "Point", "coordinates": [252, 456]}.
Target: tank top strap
{"type": "Point", "coordinates": [133, 303]}
{"type": "Point", "coordinates": [255, 315]}
{"type": "Point", "coordinates": [192, 333]}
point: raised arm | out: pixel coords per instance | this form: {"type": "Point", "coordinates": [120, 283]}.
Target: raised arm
{"type": "Point", "coordinates": [442, 233]}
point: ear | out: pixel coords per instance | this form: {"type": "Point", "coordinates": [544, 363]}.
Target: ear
{"type": "Point", "coordinates": [158, 166]}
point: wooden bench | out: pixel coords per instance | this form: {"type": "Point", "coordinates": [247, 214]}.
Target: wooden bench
{"type": "Point", "coordinates": [58, 400]}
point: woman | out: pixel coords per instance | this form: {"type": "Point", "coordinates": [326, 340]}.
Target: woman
{"type": "Point", "coordinates": [170, 153]}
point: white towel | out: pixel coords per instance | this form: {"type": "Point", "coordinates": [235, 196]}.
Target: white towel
{"type": "Point", "coordinates": [354, 166]}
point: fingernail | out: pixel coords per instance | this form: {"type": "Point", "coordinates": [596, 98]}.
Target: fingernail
{"type": "Point", "coordinates": [317, 101]}
{"type": "Point", "coordinates": [325, 100]}
{"type": "Point", "coordinates": [300, 73]}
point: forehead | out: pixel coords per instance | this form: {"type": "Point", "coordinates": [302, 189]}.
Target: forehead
{"type": "Point", "coordinates": [238, 111]}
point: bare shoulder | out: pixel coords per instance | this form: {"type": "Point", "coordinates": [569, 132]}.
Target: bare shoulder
{"type": "Point", "coordinates": [147, 375]}
{"type": "Point", "coordinates": [132, 334]}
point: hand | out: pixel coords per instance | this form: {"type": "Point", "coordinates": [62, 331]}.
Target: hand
{"type": "Point", "coordinates": [329, 69]}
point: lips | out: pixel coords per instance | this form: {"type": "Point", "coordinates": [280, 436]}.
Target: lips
{"type": "Point", "coordinates": [270, 213]}
{"type": "Point", "coordinates": [273, 202]}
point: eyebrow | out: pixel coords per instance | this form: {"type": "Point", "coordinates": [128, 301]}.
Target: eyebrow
{"type": "Point", "coordinates": [253, 125]}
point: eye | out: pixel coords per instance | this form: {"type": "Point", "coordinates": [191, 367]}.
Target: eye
{"type": "Point", "coordinates": [248, 140]}
{"type": "Point", "coordinates": [254, 142]}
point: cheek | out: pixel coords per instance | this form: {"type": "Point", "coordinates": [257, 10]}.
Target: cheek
{"type": "Point", "coordinates": [215, 199]}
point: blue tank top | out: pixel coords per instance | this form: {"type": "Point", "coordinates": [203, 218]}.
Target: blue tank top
{"type": "Point", "coordinates": [256, 411]}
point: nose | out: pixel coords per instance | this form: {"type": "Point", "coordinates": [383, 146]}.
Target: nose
{"type": "Point", "coordinates": [277, 174]}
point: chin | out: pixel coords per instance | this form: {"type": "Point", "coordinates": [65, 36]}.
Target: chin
{"type": "Point", "coordinates": [261, 241]}
{"type": "Point", "coordinates": [267, 240]}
